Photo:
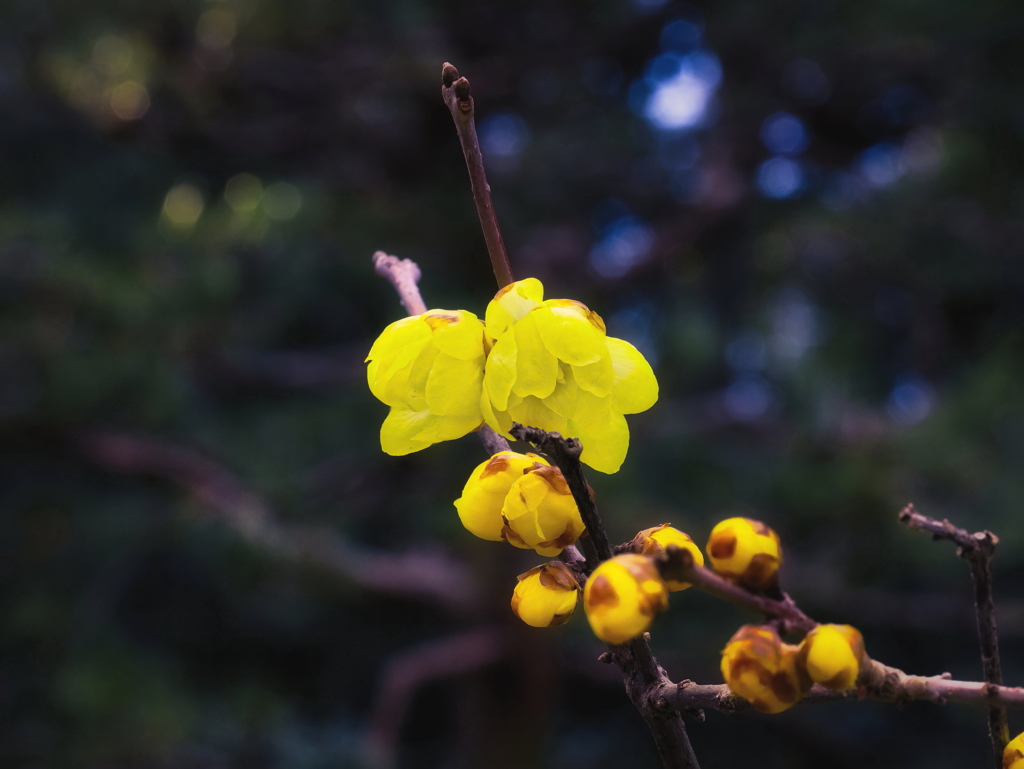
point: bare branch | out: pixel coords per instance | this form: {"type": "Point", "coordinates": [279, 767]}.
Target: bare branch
{"type": "Point", "coordinates": [453, 655]}
{"type": "Point", "coordinates": [977, 549]}
{"type": "Point", "coordinates": [455, 91]}
{"type": "Point", "coordinates": [404, 275]}
{"type": "Point", "coordinates": [420, 574]}
{"type": "Point", "coordinates": [677, 564]}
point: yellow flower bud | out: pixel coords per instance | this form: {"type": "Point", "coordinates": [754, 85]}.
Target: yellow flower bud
{"type": "Point", "coordinates": [540, 513]}
{"type": "Point", "coordinates": [654, 541]}
{"type": "Point", "coordinates": [831, 655]}
{"type": "Point", "coordinates": [1013, 753]}
{"type": "Point", "coordinates": [762, 670]}
{"type": "Point", "coordinates": [745, 551]}
{"type": "Point", "coordinates": [553, 367]}
{"type": "Point", "coordinates": [429, 370]}
{"type": "Point", "coordinates": [484, 494]}
{"type": "Point", "coordinates": [622, 596]}
{"type": "Point", "coordinates": [546, 595]}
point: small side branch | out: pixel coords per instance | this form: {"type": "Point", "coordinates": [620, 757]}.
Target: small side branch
{"type": "Point", "coordinates": [565, 453]}
{"type": "Point", "coordinates": [404, 275]}
{"type": "Point", "coordinates": [977, 549]}
{"type": "Point", "coordinates": [455, 91]}
{"type": "Point", "coordinates": [677, 564]}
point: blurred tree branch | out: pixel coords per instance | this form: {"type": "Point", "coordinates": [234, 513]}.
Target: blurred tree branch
{"type": "Point", "coordinates": [431, 576]}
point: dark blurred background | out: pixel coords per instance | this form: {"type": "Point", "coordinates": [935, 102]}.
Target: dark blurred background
{"type": "Point", "coordinates": [808, 215]}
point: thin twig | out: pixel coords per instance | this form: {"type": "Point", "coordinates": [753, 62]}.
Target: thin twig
{"type": "Point", "coordinates": [455, 91]}
{"type": "Point", "coordinates": [677, 564]}
{"type": "Point", "coordinates": [977, 549]}
{"type": "Point", "coordinates": [404, 275]}
{"type": "Point", "coordinates": [565, 453]}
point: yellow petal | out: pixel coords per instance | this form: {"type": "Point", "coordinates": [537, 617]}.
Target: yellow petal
{"type": "Point", "coordinates": [458, 333]}
{"type": "Point", "coordinates": [533, 412]}
{"type": "Point", "coordinates": [536, 367]}
{"type": "Point", "coordinates": [635, 388]}
{"type": "Point", "coordinates": [405, 387]}
{"type": "Point", "coordinates": [511, 303]}
{"type": "Point", "coordinates": [398, 335]}
{"type": "Point", "coordinates": [499, 421]}
{"type": "Point", "coordinates": [398, 434]}
{"type": "Point", "coordinates": [602, 431]}
{"type": "Point", "coordinates": [500, 370]}
{"type": "Point", "coordinates": [597, 377]}
{"type": "Point", "coordinates": [484, 494]}
{"type": "Point", "coordinates": [453, 386]}
{"type": "Point", "coordinates": [570, 332]}
{"type": "Point", "coordinates": [563, 400]}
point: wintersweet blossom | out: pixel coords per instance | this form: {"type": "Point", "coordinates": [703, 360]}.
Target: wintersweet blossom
{"type": "Point", "coordinates": [831, 655]}
{"type": "Point", "coordinates": [540, 513]}
{"type": "Point", "coordinates": [622, 596]}
{"type": "Point", "coordinates": [484, 494]}
{"type": "Point", "coordinates": [553, 366]}
{"type": "Point", "coordinates": [763, 670]}
{"type": "Point", "coordinates": [429, 369]}
{"type": "Point", "coordinates": [653, 541]}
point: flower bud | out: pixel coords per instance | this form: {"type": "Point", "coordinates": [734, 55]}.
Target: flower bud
{"type": "Point", "coordinates": [484, 493]}
{"type": "Point", "coordinates": [745, 551]}
{"type": "Point", "coordinates": [654, 541]}
{"type": "Point", "coordinates": [622, 596]}
{"type": "Point", "coordinates": [831, 655]}
{"type": "Point", "coordinates": [540, 513]}
{"type": "Point", "coordinates": [546, 595]}
{"type": "Point", "coordinates": [762, 670]}
{"type": "Point", "coordinates": [1013, 753]}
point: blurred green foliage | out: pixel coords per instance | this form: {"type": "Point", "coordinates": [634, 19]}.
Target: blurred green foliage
{"type": "Point", "coordinates": [189, 196]}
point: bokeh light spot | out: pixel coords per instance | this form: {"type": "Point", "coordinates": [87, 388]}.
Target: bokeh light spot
{"type": "Point", "coordinates": [129, 101]}
{"type": "Point", "coordinates": [503, 135]}
{"type": "Point", "coordinates": [779, 177]}
{"type": "Point", "coordinates": [216, 29]}
{"type": "Point", "coordinates": [112, 55]}
{"type": "Point", "coordinates": [183, 205]}
{"type": "Point", "coordinates": [243, 193]}
{"type": "Point", "coordinates": [911, 400]}
{"type": "Point", "coordinates": [784, 134]}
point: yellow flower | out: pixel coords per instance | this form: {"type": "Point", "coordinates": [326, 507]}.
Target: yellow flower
{"type": "Point", "coordinates": [622, 596]}
{"type": "Point", "coordinates": [546, 595]}
{"type": "Point", "coordinates": [484, 493]}
{"type": "Point", "coordinates": [831, 655]}
{"type": "Point", "coordinates": [654, 541]}
{"type": "Point", "coordinates": [552, 366]}
{"type": "Point", "coordinates": [762, 670]}
{"type": "Point", "coordinates": [1013, 753]}
{"type": "Point", "coordinates": [429, 370]}
{"type": "Point", "coordinates": [745, 551]}
{"type": "Point", "coordinates": [540, 513]}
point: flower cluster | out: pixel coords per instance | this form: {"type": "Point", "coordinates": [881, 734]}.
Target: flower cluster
{"type": "Point", "coordinates": [773, 675]}
{"type": "Point", "coordinates": [746, 552]}
{"type": "Point", "coordinates": [546, 364]}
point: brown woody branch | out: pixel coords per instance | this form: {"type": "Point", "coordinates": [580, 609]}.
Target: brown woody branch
{"type": "Point", "coordinates": [677, 564]}
{"type": "Point", "coordinates": [977, 549]}
{"type": "Point", "coordinates": [641, 672]}
{"type": "Point", "coordinates": [455, 91]}
{"type": "Point", "coordinates": [877, 682]}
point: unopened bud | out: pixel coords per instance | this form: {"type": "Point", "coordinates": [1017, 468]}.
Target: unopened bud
{"type": "Point", "coordinates": [654, 541]}
{"type": "Point", "coordinates": [540, 513]}
{"type": "Point", "coordinates": [546, 595]}
{"type": "Point", "coordinates": [745, 551]}
{"type": "Point", "coordinates": [622, 596]}
{"type": "Point", "coordinates": [762, 670]}
{"type": "Point", "coordinates": [484, 493]}
{"type": "Point", "coordinates": [831, 655]}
